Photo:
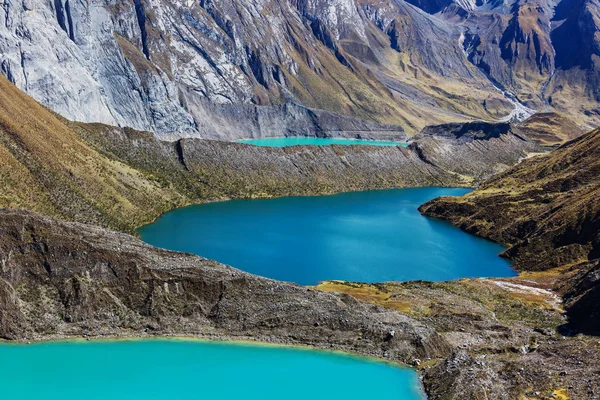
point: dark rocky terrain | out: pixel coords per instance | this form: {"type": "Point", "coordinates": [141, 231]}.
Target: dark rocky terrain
{"type": "Point", "coordinates": [66, 279]}
{"type": "Point", "coordinates": [469, 339]}
{"type": "Point", "coordinates": [504, 334]}
{"type": "Point", "coordinates": [184, 68]}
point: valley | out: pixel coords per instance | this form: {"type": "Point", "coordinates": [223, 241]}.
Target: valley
{"type": "Point", "coordinates": [64, 280]}
{"type": "Point", "coordinates": [300, 198]}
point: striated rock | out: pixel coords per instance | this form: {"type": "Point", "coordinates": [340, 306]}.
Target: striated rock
{"type": "Point", "coordinates": [167, 66]}
{"type": "Point", "coordinates": [163, 66]}
{"type": "Point", "coordinates": [477, 149]}
{"type": "Point", "coordinates": [232, 122]}
{"type": "Point", "coordinates": [582, 296]}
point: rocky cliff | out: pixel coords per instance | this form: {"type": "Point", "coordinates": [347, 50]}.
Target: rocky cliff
{"type": "Point", "coordinates": [163, 65]}
{"type": "Point", "coordinates": [65, 279]}
{"type": "Point", "coordinates": [468, 339]}
{"type": "Point", "coordinates": [181, 68]}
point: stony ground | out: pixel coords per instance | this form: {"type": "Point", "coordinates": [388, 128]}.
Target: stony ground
{"type": "Point", "coordinates": [505, 335]}
{"type": "Point", "coordinates": [476, 339]}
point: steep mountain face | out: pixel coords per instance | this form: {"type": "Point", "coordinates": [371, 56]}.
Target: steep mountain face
{"type": "Point", "coordinates": [164, 65]}
{"type": "Point", "coordinates": [544, 52]}
{"type": "Point", "coordinates": [161, 65]}
{"type": "Point", "coordinates": [576, 39]}
{"type": "Point", "coordinates": [513, 48]}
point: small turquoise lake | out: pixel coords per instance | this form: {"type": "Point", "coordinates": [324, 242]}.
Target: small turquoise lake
{"type": "Point", "coordinates": [311, 141]}
{"type": "Point", "coordinates": [174, 369]}
{"type": "Point", "coordinates": [371, 236]}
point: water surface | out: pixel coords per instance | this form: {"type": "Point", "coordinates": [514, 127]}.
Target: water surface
{"type": "Point", "coordinates": [311, 141]}
{"type": "Point", "coordinates": [372, 236]}
{"type": "Point", "coordinates": [169, 370]}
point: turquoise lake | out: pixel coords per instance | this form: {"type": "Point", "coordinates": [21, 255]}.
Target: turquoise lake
{"type": "Point", "coordinates": [172, 369]}
{"type": "Point", "coordinates": [311, 141]}
{"type": "Point", "coordinates": [372, 236]}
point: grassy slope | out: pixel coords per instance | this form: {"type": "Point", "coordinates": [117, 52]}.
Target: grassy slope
{"type": "Point", "coordinates": [546, 208]}
{"type": "Point", "coordinates": [48, 168]}
{"type": "Point", "coordinates": [122, 179]}
{"type": "Point", "coordinates": [550, 129]}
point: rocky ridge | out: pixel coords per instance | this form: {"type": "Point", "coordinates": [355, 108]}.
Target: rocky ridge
{"type": "Point", "coordinates": [122, 178]}
{"type": "Point", "coordinates": [62, 279]}
{"type": "Point", "coordinates": [547, 211]}
{"type": "Point", "coordinates": [181, 68]}
{"type": "Point", "coordinates": [468, 338]}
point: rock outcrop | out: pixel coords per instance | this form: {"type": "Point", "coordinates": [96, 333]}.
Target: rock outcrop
{"type": "Point", "coordinates": [475, 149]}
{"type": "Point", "coordinates": [66, 279]}
{"type": "Point", "coordinates": [505, 334]}
{"type": "Point", "coordinates": [549, 129]}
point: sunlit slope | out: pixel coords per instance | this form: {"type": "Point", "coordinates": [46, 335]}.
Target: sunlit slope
{"type": "Point", "coordinates": [46, 167]}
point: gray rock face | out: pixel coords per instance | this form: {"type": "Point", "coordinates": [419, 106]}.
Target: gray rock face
{"type": "Point", "coordinates": [250, 121]}
{"type": "Point", "coordinates": [163, 66]}
{"type": "Point", "coordinates": [183, 68]}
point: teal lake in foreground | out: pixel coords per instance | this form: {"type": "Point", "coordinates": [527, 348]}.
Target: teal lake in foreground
{"type": "Point", "coordinates": [371, 236]}
{"type": "Point", "coordinates": [175, 369]}
{"type": "Point", "coordinates": [311, 141]}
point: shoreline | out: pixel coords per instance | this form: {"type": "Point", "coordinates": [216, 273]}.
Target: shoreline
{"type": "Point", "coordinates": [83, 340]}
{"type": "Point", "coordinates": [268, 197]}
{"type": "Point", "coordinates": [205, 339]}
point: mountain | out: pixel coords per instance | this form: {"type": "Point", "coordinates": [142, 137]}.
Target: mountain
{"type": "Point", "coordinates": [547, 211]}
{"type": "Point", "coordinates": [176, 67]}
{"type": "Point", "coordinates": [122, 178]}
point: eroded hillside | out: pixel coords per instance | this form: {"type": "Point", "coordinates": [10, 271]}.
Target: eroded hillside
{"type": "Point", "coordinates": [182, 68]}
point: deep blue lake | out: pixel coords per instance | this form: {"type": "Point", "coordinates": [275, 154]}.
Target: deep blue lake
{"type": "Point", "coordinates": [311, 141]}
{"type": "Point", "coordinates": [170, 370]}
{"type": "Point", "coordinates": [372, 236]}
